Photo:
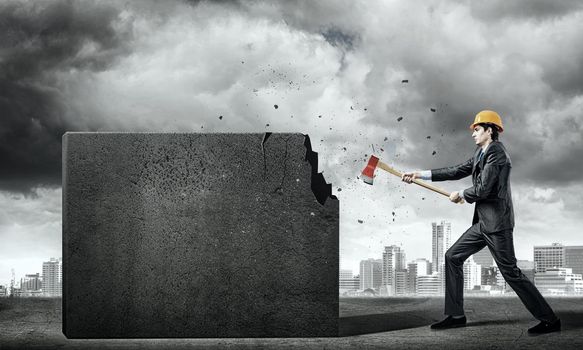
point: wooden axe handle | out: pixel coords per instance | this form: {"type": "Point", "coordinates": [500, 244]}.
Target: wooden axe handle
{"type": "Point", "coordinates": [418, 182]}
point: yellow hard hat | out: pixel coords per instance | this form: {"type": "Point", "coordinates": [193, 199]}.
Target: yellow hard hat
{"type": "Point", "coordinates": [488, 117]}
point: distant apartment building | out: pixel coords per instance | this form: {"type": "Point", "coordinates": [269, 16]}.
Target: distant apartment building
{"type": "Point", "coordinates": [428, 284]}
{"type": "Point", "coordinates": [574, 258]}
{"type": "Point", "coordinates": [472, 274]}
{"type": "Point", "coordinates": [3, 291]}
{"type": "Point", "coordinates": [549, 256]}
{"type": "Point", "coordinates": [31, 282]}
{"type": "Point", "coordinates": [371, 273]}
{"type": "Point", "coordinates": [393, 261]}
{"type": "Point", "coordinates": [401, 282]}
{"type": "Point", "coordinates": [559, 281]}
{"type": "Point", "coordinates": [418, 267]}
{"type": "Point", "coordinates": [348, 282]}
{"type": "Point", "coordinates": [557, 255]}
{"type": "Point", "coordinates": [30, 286]}
{"type": "Point", "coordinates": [440, 243]}
{"type": "Point", "coordinates": [52, 278]}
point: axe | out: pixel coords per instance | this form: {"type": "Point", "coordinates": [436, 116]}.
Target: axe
{"type": "Point", "coordinates": [373, 163]}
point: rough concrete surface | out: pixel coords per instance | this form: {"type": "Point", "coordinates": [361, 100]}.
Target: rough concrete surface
{"type": "Point", "coordinates": [197, 235]}
{"type": "Point", "coordinates": [377, 323]}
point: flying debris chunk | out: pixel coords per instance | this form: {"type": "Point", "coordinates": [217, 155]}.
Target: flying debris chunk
{"type": "Point", "coordinates": [339, 189]}
{"type": "Point", "coordinates": [434, 152]}
{"type": "Point", "coordinates": [266, 125]}
{"type": "Point", "coordinates": [428, 137]}
{"type": "Point", "coordinates": [386, 138]}
{"type": "Point", "coordinates": [319, 116]}
{"type": "Point", "coordinates": [399, 119]}
{"type": "Point", "coordinates": [351, 108]}
{"type": "Point", "coordinates": [220, 117]}
{"type": "Point", "coordinates": [393, 213]}
{"type": "Point", "coordinates": [432, 109]}
{"type": "Point", "coordinates": [360, 221]}
{"type": "Point", "coordinates": [405, 81]}
{"type": "Point", "coordinates": [344, 148]}
{"type": "Point", "coordinates": [275, 106]}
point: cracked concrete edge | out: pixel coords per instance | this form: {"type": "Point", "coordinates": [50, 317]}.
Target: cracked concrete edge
{"type": "Point", "coordinates": [320, 188]}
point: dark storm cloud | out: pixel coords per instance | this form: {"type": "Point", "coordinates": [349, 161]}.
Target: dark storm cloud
{"type": "Point", "coordinates": [536, 9]}
{"type": "Point", "coordinates": [41, 42]}
{"type": "Point", "coordinates": [338, 38]}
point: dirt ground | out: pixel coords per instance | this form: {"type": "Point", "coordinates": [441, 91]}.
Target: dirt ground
{"type": "Point", "coordinates": [365, 323]}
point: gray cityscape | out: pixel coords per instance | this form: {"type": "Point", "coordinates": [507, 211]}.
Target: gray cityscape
{"type": "Point", "coordinates": [556, 270]}
{"type": "Point", "coordinates": [47, 284]}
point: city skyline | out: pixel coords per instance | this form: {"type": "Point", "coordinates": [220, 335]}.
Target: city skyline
{"type": "Point", "coordinates": [47, 282]}
{"type": "Point", "coordinates": [556, 269]}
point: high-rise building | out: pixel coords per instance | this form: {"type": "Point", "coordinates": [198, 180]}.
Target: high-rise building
{"type": "Point", "coordinates": [441, 241]}
{"type": "Point", "coordinates": [484, 258]}
{"type": "Point", "coordinates": [418, 267]}
{"type": "Point", "coordinates": [401, 282]}
{"type": "Point", "coordinates": [472, 274]}
{"type": "Point", "coordinates": [549, 256]}
{"type": "Point", "coordinates": [348, 282]}
{"type": "Point", "coordinates": [574, 258]}
{"type": "Point", "coordinates": [3, 291]}
{"type": "Point", "coordinates": [428, 284]}
{"type": "Point", "coordinates": [371, 271]}
{"type": "Point", "coordinates": [30, 286]}
{"type": "Point", "coordinates": [393, 260]}
{"type": "Point", "coordinates": [31, 282]}
{"type": "Point", "coordinates": [559, 281]}
{"type": "Point", "coordinates": [52, 278]}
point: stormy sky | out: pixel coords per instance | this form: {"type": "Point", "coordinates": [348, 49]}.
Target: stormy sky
{"type": "Point", "coordinates": [336, 71]}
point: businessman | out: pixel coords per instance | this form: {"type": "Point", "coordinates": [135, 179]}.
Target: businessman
{"type": "Point", "coordinates": [492, 225]}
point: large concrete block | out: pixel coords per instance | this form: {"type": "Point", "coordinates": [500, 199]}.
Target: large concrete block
{"type": "Point", "coordinates": [197, 235]}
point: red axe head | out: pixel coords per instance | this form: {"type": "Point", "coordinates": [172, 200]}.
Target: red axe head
{"type": "Point", "coordinates": [368, 172]}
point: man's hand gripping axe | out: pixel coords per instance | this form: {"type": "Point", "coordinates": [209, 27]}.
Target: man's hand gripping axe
{"type": "Point", "coordinates": [367, 175]}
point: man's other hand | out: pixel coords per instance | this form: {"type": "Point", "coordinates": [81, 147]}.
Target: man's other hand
{"type": "Point", "coordinates": [408, 177]}
{"type": "Point", "coordinates": [455, 197]}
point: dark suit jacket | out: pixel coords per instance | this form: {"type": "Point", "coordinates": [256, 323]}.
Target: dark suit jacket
{"type": "Point", "coordinates": [491, 189]}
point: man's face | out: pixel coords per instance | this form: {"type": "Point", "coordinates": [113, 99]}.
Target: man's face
{"type": "Point", "coordinates": [481, 136]}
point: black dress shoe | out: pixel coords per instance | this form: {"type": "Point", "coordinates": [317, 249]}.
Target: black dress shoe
{"type": "Point", "coordinates": [546, 327]}
{"type": "Point", "coordinates": [450, 322]}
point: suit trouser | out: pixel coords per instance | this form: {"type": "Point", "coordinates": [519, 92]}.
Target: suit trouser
{"type": "Point", "coordinates": [502, 248]}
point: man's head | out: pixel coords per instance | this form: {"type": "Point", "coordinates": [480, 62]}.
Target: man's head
{"type": "Point", "coordinates": [484, 133]}
{"type": "Point", "coordinates": [486, 127]}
